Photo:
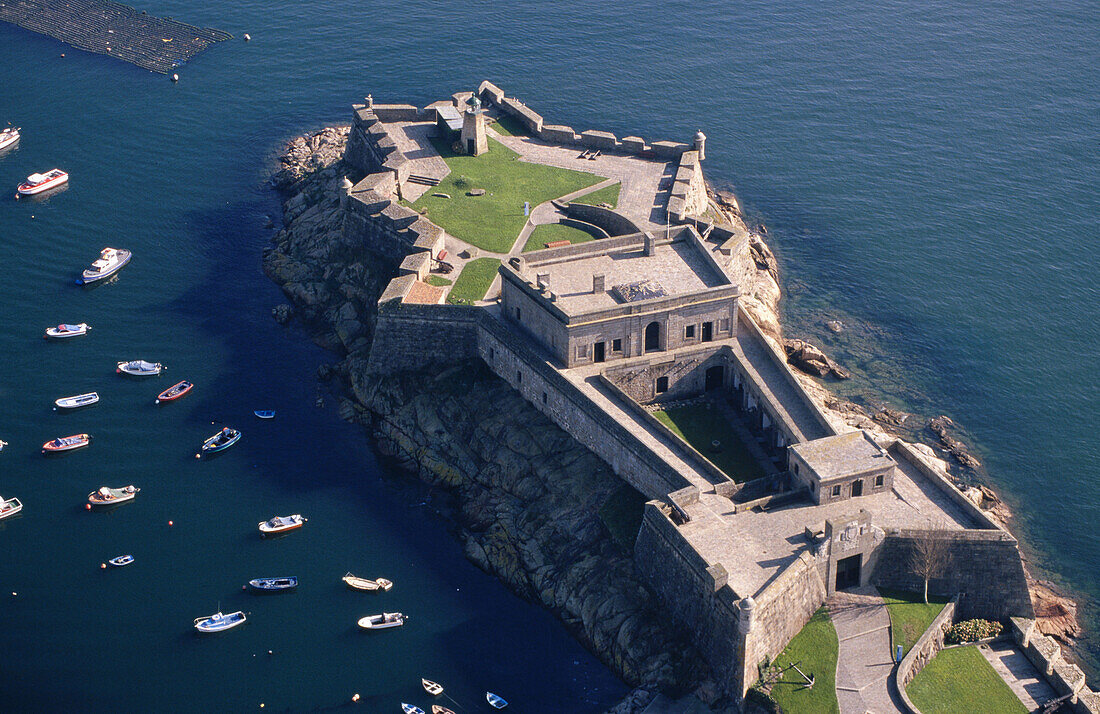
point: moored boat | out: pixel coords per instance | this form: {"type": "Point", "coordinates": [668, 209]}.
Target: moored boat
{"type": "Point", "coordinates": [433, 688]}
{"type": "Point", "coordinates": [174, 392]}
{"type": "Point", "coordinates": [121, 560]}
{"type": "Point", "coordinates": [66, 330]}
{"type": "Point", "coordinates": [356, 583]}
{"type": "Point", "coordinates": [66, 443]}
{"type": "Point", "coordinates": [269, 585]}
{"type": "Point", "coordinates": [140, 368]}
{"type": "Point", "coordinates": [440, 709]}
{"type": "Point", "coordinates": [9, 507]}
{"type": "Point", "coordinates": [37, 183]}
{"type": "Point", "coordinates": [495, 700]}
{"type": "Point", "coordinates": [411, 708]}
{"type": "Point", "coordinates": [109, 262]}
{"type": "Point", "coordinates": [382, 622]}
{"type": "Point", "coordinates": [281, 524]}
{"type": "Point", "coordinates": [265, 413]}
{"type": "Point", "coordinates": [107, 496]}
{"type": "Point", "coordinates": [219, 622]}
{"type": "Point", "coordinates": [221, 441]}
{"type": "Point", "coordinates": [76, 401]}
{"type": "Point", "coordinates": [8, 136]}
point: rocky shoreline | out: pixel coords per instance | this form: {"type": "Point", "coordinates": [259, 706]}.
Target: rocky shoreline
{"type": "Point", "coordinates": [527, 497]}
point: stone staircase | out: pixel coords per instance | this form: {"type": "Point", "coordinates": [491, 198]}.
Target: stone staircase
{"type": "Point", "coordinates": [422, 180]}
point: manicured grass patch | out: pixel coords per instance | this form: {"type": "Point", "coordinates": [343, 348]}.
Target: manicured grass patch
{"type": "Point", "coordinates": [508, 126]}
{"type": "Point", "coordinates": [437, 280]}
{"type": "Point", "coordinates": [473, 281]}
{"type": "Point", "coordinates": [552, 232]}
{"type": "Point", "coordinates": [961, 680]}
{"type": "Point", "coordinates": [622, 514]}
{"type": "Point", "coordinates": [909, 616]}
{"type": "Point", "coordinates": [607, 194]}
{"type": "Point", "coordinates": [814, 649]}
{"type": "Point", "coordinates": [701, 424]}
{"type": "Point", "coordinates": [492, 222]}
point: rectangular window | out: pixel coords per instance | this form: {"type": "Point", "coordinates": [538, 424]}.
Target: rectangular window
{"type": "Point", "coordinates": [689, 332]}
{"type": "Point", "coordinates": [518, 314]}
{"type": "Point", "coordinates": [662, 384]}
{"type": "Point", "coordinates": [879, 481]}
{"type": "Point", "coordinates": [616, 345]}
{"type": "Point", "coordinates": [582, 351]}
{"type": "Point", "coordinates": [724, 325]}
{"type": "Point", "coordinates": [544, 397]}
{"type": "Point", "coordinates": [492, 353]}
{"type": "Point", "coordinates": [836, 490]}
{"type": "Point", "coordinates": [519, 376]}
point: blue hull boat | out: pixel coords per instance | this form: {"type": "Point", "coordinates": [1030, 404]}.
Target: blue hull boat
{"type": "Point", "coordinates": [220, 441]}
{"type": "Point", "coordinates": [495, 700]}
{"type": "Point", "coordinates": [273, 585]}
{"type": "Point", "coordinates": [121, 560]}
{"type": "Point", "coordinates": [219, 622]}
{"type": "Point", "coordinates": [265, 413]}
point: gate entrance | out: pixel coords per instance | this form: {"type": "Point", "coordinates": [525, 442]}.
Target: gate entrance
{"type": "Point", "coordinates": [847, 572]}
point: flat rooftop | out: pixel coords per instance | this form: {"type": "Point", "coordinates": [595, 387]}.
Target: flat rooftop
{"type": "Point", "coordinates": [842, 455]}
{"type": "Point", "coordinates": [674, 269]}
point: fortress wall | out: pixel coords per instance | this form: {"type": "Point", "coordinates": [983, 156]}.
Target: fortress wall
{"type": "Point", "coordinates": [984, 568]}
{"type": "Point", "coordinates": [616, 224]}
{"type": "Point", "coordinates": [397, 112]}
{"type": "Point", "coordinates": [1046, 654]}
{"type": "Point", "coordinates": [686, 374]}
{"type": "Point", "coordinates": [691, 591]}
{"type": "Point", "coordinates": [904, 452]}
{"type": "Point", "coordinates": [370, 148]}
{"type": "Point", "coordinates": [417, 337]}
{"type": "Point", "coordinates": [508, 355]}
{"type": "Point", "coordinates": [689, 189]}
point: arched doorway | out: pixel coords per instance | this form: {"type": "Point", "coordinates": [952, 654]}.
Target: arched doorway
{"type": "Point", "coordinates": [653, 336]}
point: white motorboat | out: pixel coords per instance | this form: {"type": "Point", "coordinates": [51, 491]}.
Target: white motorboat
{"type": "Point", "coordinates": [356, 583]}
{"type": "Point", "coordinates": [8, 136]}
{"type": "Point", "coordinates": [107, 496]}
{"type": "Point", "coordinates": [77, 401]}
{"type": "Point", "coordinates": [109, 262]}
{"type": "Point", "coordinates": [382, 622]}
{"type": "Point", "coordinates": [9, 507]}
{"type": "Point", "coordinates": [140, 368]}
{"type": "Point", "coordinates": [37, 183]}
{"type": "Point", "coordinates": [67, 330]}
{"type": "Point", "coordinates": [281, 524]}
{"type": "Point", "coordinates": [219, 622]}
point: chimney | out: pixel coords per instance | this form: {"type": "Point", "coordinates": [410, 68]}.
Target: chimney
{"type": "Point", "coordinates": [542, 280]}
{"type": "Point", "coordinates": [598, 283]}
{"type": "Point", "coordinates": [650, 244]}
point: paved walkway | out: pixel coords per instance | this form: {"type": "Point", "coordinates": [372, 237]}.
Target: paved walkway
{"type": "Point", "coordinates": [863, 681]}
{"type": "Point", "coordinates": [1019, 673]}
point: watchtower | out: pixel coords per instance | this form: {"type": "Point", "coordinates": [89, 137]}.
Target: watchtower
{"type": "Point", "coordinates": [473, 138]}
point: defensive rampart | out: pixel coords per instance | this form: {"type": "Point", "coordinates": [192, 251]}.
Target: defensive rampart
{"type": "Point", "coordinates": [1065, 678]}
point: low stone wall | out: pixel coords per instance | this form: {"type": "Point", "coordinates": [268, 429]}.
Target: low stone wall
{"type": "Point", "coordinates": [923, 651]}
{"type": "Point", "coordinates": [589, 228]}
{"type": "Point", "coordinates": [615, 223]}
{"type": "Point", "coordinates": [1046, 654]}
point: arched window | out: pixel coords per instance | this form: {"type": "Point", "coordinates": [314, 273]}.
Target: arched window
{"type": "Point", "coordinates": [653, 336]}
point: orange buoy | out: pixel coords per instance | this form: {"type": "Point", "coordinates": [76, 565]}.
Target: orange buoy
{"type": "Point", "coordinates": [103, 566]}
{"type": "Point", "coordinates": [170, 524]}
{"type": "Point", "coordinates": [87, 506]}
{"type": "Point", "coordinates": [355, 697]}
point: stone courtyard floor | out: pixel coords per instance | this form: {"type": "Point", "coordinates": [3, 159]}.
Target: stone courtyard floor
{"type": "Point", "coordinates": [1026, 682]}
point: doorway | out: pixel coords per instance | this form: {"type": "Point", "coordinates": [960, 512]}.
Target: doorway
{"type": "Point", "coordinates": [471, 146]}
{"type": "Point", "coordinates": [857, 488]}
{"type": "Point", "coordinates": [708, 331]}
{"type": "Point", "coordinates": [847, 572]}
{"type": "Point", "coordinates": [714, 377]}
{"type": "Point", "coordinates": [598, 352]}
{"type": "Point", "coordinates": [653, 336]}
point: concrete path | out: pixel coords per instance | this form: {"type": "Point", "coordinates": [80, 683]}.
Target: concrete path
{"type": "Point", "coordinates": [863, 682]}
{"type": "Point", "coordinates": [1026, 682]}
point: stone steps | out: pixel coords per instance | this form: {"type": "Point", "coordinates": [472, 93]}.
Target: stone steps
{"type": "Point", "coordinates": [423, 180]}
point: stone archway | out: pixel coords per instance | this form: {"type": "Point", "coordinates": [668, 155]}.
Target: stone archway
{"type": "Point", "coordinates": [653, 336]}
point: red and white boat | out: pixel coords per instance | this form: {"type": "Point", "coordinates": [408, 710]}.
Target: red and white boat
{"type": "Point", "coordinates": [174, 392]}
{"type": "Point", "coordinates": [281, 524]}
{"type": "Point", "coordinates": [8, 136]}
{"type": "Point", "coordinates": [9, 507]}
{"type": "Point", "coordinates": [37, 183]}
{"type": "Point", "coordinates": [66, 443]}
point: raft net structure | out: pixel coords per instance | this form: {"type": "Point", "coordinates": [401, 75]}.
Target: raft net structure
{"type": "Point", "coordinates": [158, 44]}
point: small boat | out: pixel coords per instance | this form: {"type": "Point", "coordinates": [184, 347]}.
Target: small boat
{"type": "Point", "coordinates": [77, 401]}
{"type": "Point", "coordinates": [174, 392]}
{"type": "Point", "coordinates": [107, 496]}
{"type": "Point", "coordinates": [495, 700]}
{"type": "Point", "coordinates": [221, 441]}
{"type": "Point", "coordinates": [268, 585]}
{"type": "Point", "coordinates": [440, 709]}
{"type": "Point", "coordinates": [9, 507]}
{"type": "Point", "coordinates": [140, 368]}
{"type": "Point", "coordinates": [66, 330]}
{"type": "Point", "coordinates": [382, 622]}
{"type": "Point", "coordinates": [411, 708]}
{"type": "Point", "coordinates": [109, 262]}
{"type": "Point", "coordinates": [66, 443]}
{"type": "Point", "coordinates": [2, 445]}
{"type": "Point", "coordinates": [364, 584]}
{"type": "Point", "coordinates": [433, 688]}
{"type": "Point", "coordinates": [219, 622]}
{"type": "Point", "coordinates": [265, 413]}
{"type": "Point", "coordinates": [281, 524]}
{"type": "Point", "coordinates": [8, 136]}
{"type": "Point", "coordinates": [121, 560]}
{"type": "Point", "coordinates": [37, 183]}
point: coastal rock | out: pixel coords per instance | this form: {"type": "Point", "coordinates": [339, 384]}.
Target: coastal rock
{"type": "Point", "coordinates": [1055, 614]}
{"type": "Point", "coordinates": [282, 313]}
{"type": "Point", "coordinates": [939, 426]}
{"type": "Point", "coordinates": [835, 326]}
{"type": "Point", "coordinates": [810, 359]}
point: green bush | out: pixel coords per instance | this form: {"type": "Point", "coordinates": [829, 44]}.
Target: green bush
{"type": "Point", "coordinates": [972, 631]}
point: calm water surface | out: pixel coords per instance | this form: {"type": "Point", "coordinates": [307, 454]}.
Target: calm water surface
{"type": "Point", "coordinates": [927, 172]}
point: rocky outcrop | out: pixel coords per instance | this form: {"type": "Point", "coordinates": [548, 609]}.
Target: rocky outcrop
{"type": "Point", "coordinates": [811, 360]}
{"type": "Point", "coordinates": [940, 426]}
{"type": "Point", "coordinates": [1055, 614]}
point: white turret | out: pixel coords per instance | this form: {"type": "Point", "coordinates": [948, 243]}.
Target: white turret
{"type": "Point", "coordinates": [701, 144]}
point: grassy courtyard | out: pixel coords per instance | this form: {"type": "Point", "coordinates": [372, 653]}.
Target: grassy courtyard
{"type": "Point", "coordinates": [961, 680]}
{"type": "Point", "coordinates": [474, 281]}
{"type": "Point", "coordinates": [492, 221]}
{"type": "Point", "coordinates": [508, 126]}
{"type": "Point", "coordinates": [553, 232]}
{"type": "Point", "coordinates": [814, 649]}
{"type": "Point", "coordinates": [909, 616]}
{"type": "Point", "coordinates": [437, 280]}
{"type": "Point", "coordinates": [607, 194]}
{"type": "Point", "coordinates": [701, 424]}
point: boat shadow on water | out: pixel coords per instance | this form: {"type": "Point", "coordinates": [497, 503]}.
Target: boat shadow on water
{"type": "Point", "coordinates": [41, 197]}
{"type": "Point", "coordinates": [79, 280]}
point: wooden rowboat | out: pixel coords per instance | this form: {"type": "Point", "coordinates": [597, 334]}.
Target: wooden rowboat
{"type": "Point", "coordinates": [356, 583]}
{"type": "Point", "coordinates": [440, 709]}
{"type": "Point", "coordinates": [66, 443]}
{"type": "Point", "coordinates": [77, 401]}
{"type": "Point", "coordinates": [174, 392]}
{"type": "Point", "coordinates": [433, 688]}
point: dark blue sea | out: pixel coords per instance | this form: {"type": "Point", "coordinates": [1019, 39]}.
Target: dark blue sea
{"type": "Point", "coordinates": [927, 172]}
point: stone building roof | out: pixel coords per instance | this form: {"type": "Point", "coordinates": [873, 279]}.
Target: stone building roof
{"type": "Point", "coordinates": [424, 294]}
{"type": "Point", "coordinates": [843, 455]}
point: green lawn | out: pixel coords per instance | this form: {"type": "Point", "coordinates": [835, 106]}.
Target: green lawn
{"type": "Point", "coordinates": [508, 126]}
{"type": "Point", "coordinates": [493, 221]}
{"type": "Point", "coordinates": [554, 231]}
{"type": "Point", "coordinates": [473, 281]}
{"type": "Point", "coordinates": [437, 280]}
{"type": "Point", "coordinates": [607, 194]}
{"type": "Point", "coordinates": [909, 616]}
{"type": "Point", "coordinates": [699, 425]}
{"type": "Point", "coordinates": [814, 649]}
{"type": "Point", "coordinates": [961, 680]}
{"type": "Point", "coordinates": [622, 514]}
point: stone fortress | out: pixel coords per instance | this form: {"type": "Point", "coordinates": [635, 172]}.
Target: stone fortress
{"type": "Point", "coordinates": [661, 308]}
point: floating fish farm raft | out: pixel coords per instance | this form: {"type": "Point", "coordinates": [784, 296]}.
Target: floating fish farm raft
{"type": "Point", "coordinates": [157, 44]}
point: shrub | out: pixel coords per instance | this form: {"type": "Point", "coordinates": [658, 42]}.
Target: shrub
{"type": "Point", "coordinates": [972, 631]}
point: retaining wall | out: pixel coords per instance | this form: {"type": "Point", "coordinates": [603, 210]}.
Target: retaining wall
{"type": "Point", "coordinates": [418, 337]}
{"type": "Point", "coordinates": [923, 651]}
